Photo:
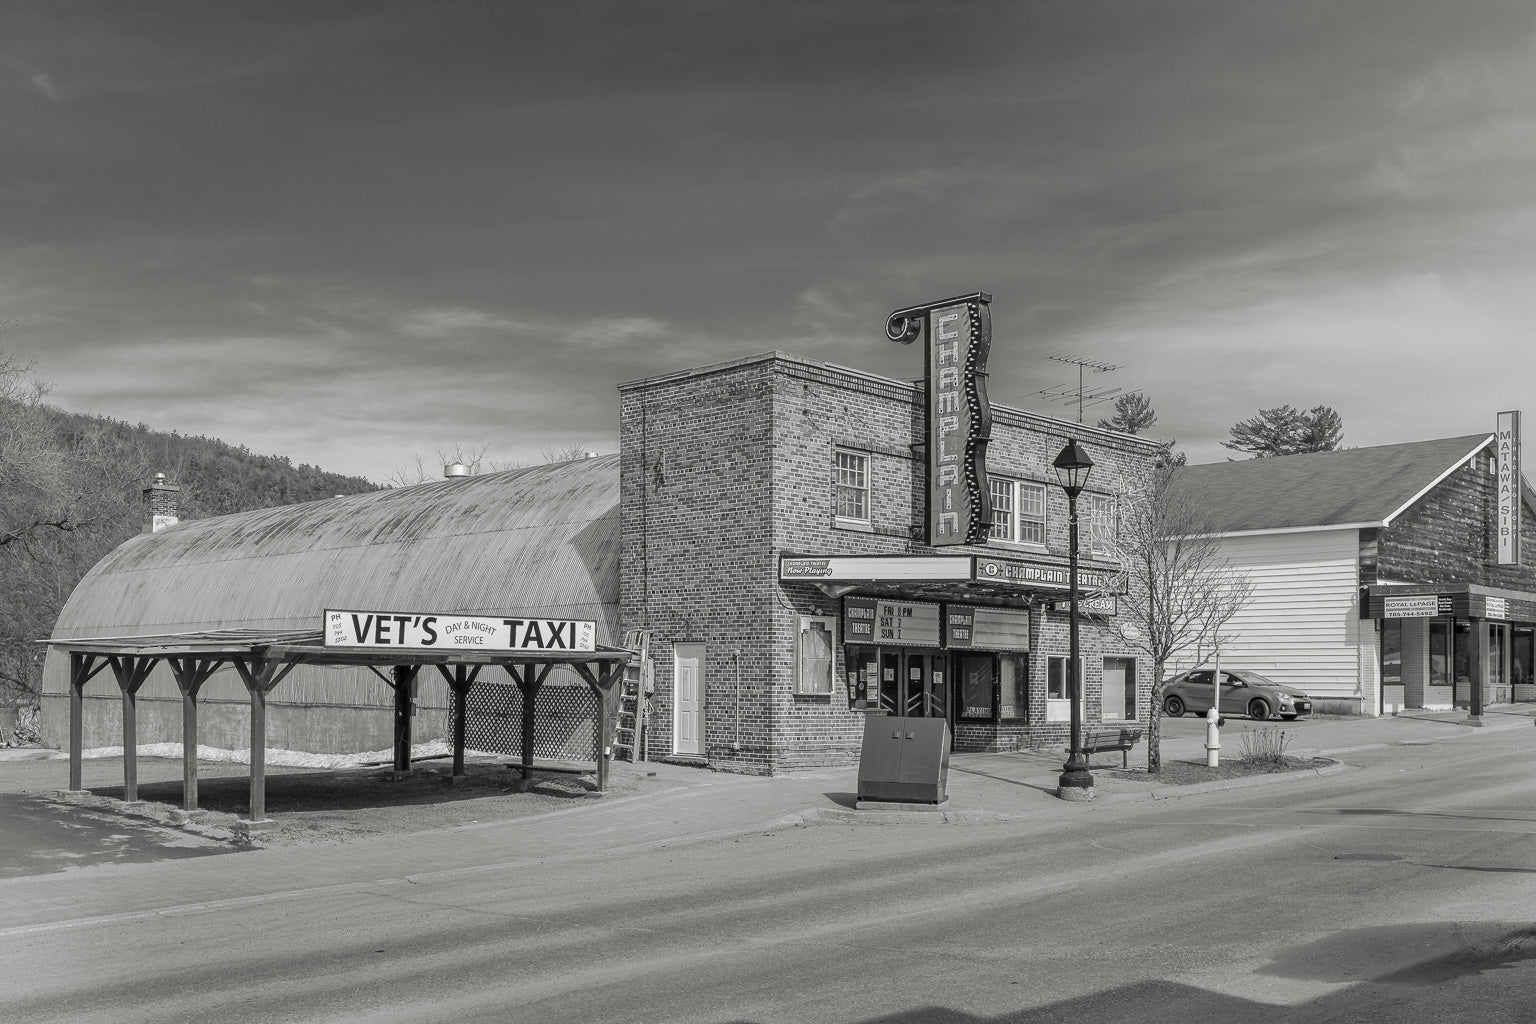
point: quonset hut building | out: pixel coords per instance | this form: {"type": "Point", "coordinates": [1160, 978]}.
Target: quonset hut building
{"type": "Point", "coordinates": [762, 525]}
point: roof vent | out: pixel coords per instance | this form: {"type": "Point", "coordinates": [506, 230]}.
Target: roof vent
{"type": "Point", "coordinates": [589, 455]}
{"type": "Point", "coordinates": [455, 469]}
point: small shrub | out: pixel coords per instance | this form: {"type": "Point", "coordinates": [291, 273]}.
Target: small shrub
{"type": "Point", "coordinates": [1264, 746]}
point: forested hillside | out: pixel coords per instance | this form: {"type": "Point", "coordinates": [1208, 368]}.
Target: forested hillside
{"type": "Point", "coordinates": [71, 489]}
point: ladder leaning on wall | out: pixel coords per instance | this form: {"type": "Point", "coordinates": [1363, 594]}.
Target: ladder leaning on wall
{"type": "Point", "coordinates": [634, 697]}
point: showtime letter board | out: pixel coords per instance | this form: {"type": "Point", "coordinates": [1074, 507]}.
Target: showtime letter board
{"type": "Point", "coordinates": [419, 631]}
{"type": "Point", "coordinates": [871, 620]}
{"type": "Point", "coordinates": [985, 628]}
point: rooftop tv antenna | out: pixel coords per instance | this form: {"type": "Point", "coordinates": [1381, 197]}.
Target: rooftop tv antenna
{"type": "Point", "coordinates": [1081, 395]}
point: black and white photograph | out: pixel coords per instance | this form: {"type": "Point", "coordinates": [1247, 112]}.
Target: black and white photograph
{"type": "Point", "coordinates": [767, 511]}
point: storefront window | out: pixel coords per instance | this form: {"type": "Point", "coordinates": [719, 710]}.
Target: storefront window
{"type": "Point", "coordinates": [1056, 679]}
{"type": "Point", "coordinates": [1496, 634]}
{"type": "Point", "coordinates": [863, 676]}
{"type": "Point", "coordinates": [1391, 652]}
{"type": "Point", "coordinates": [1522, 646]}
{"type": "Point", "coordinates": [1461, 653]}
{"type": "Point", "coordinates": [978, 685]}
{"type": "Point", "coordinates": [1013, 677]}
{"type": "Point", "coordinates": [1439, 654]}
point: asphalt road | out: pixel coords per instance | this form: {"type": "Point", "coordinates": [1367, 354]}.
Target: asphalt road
{"type": "Point", "coordinates": [1403, 890]}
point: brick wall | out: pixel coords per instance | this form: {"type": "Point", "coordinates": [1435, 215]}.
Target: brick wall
{"type": "Point", "coordinates": [727, 467]}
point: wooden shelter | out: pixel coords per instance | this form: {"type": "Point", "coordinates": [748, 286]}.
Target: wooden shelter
{"type": "Point", "coordinates": [211, 615]}
{"type": "Point", "coordinates": [263, 660]}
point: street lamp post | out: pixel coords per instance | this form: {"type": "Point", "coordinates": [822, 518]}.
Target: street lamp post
{"type": "Point", "coordinates": [1076, 781]}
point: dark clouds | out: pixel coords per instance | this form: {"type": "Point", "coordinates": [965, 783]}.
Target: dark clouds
{"type": "Point", "coordinates": [374, 196]}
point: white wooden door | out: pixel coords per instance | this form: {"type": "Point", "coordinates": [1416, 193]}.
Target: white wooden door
{"type": "Point", "coordinates": [688, 699]}
{"type": "Point", "coordinates": [1114, 690]}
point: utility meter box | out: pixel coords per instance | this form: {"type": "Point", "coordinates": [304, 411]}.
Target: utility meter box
{"type": "Point", "coordinates": [904, 759]}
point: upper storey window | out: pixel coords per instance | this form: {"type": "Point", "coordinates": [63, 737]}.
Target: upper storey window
{"type": "Point", "coordinates": [1018, 511]}
{"type": "Point", "coordinates": [850, 485]}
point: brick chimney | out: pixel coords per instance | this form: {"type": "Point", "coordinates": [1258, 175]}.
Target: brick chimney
{"type": "Point", "coordinates": [162, 503]}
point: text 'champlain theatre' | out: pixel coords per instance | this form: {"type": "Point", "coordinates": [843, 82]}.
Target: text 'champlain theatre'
{"type": "Point", "coordinates": [801, 545]}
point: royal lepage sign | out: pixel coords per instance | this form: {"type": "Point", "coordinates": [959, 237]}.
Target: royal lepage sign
{"type": "Point", "coordinates": [424, 631]}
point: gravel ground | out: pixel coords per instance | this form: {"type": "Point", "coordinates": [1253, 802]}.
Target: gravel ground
{"type": "Point", "coordinates": [327, 806]}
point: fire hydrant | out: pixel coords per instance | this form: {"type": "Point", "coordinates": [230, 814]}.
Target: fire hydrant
{"type": "Point", "coordinates": [1212, 738]}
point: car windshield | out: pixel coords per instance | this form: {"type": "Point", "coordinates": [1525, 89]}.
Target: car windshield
{"type": "Point", "coordinates": [1255, 678]}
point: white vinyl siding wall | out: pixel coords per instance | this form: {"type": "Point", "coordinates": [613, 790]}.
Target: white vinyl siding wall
{"type": "Point", "coordinates": [1302, 626]}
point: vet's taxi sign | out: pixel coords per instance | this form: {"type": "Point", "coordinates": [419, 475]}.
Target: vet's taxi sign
{"type": "Point", "coordinates": [428, 631]}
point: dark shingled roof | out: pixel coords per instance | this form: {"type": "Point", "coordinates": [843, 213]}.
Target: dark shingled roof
{"type": "Point", "coordinates": [1356, 486]}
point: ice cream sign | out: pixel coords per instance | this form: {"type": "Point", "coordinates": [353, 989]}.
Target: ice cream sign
{"type": "Point", "coordinates": [426, 631]}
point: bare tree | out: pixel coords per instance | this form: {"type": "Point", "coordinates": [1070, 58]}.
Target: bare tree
{"type": "Point", "coordinates": [69, 492]}
{"type": "Point", "coordinates": [420, 471]}
{"type": "Point", "coordinates": [1177, 593]}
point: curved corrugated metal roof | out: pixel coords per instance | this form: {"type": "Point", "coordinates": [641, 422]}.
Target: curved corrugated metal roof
{"type": "Point", "coordinates": [538, 541]}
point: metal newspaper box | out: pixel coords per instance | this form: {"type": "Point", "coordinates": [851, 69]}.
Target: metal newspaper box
{"type": "Point", "coordinates": [905, 759]}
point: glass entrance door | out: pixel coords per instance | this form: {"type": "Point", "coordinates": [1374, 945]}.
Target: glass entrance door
{"type": "Point", "coordinates": [913, 684]}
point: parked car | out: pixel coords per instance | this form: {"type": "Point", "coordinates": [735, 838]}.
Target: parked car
{"type": "Point", "coordinates": [1242, 693]}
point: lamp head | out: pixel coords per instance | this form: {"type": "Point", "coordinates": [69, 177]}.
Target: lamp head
{"type": "Point", "coordinates": [1072, 468]}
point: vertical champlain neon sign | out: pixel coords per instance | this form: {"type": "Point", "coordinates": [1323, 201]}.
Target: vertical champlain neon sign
{"type": "Point", "coordinates": [958, 337]}
{"type": "Point", "coordinates": [1507, 440]}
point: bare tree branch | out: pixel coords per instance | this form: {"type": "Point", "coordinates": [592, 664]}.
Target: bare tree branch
{"type": "Point", "coordinates": [1177, 592]}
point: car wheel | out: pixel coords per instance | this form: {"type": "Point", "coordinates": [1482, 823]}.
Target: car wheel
{"type": "Point", "coordinates": [1173, 707]}
{"type": "Point", "coordinates": [1258, 710]}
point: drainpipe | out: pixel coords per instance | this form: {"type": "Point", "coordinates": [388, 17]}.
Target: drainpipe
{"type": "Point", "coordinates": [736, 657]}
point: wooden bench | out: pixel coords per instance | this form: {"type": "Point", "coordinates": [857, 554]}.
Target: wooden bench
{"type": "Point", "coordinates": [1096, 740]}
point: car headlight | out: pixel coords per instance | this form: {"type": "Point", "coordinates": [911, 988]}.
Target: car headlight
{"type": "Point", "coordinates": [1285, 698]}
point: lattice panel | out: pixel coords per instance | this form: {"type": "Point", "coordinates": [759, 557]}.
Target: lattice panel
{"type": "Point", "coordinates": [564, 724]}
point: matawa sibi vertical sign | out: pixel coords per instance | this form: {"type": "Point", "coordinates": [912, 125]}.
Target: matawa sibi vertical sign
{"type": "Point", "coordinates": [1507, 440]}
{"type": "Point", "coordinates": [958, 337]}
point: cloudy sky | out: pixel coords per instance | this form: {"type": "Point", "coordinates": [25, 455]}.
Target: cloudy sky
{"type": "Point", "coordinates": [354, 232]}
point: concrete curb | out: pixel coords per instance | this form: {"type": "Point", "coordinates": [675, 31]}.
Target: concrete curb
{"type": "Point", "coordinates": [870, 816]}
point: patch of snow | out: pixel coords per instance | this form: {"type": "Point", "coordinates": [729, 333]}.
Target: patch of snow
{"type": "Point", "coordinates": [283, 758]}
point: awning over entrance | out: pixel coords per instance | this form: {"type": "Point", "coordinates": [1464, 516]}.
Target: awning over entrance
{"type": "Point", "coordinates": [947, 577]}
{"type": "Point", "coordinates": [264, 658]}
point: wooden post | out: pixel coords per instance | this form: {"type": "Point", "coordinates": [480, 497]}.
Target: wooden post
{"type": "Point", "coordinates": [460, 700]}
{"type": "Point", "coordinates": [530, 687]}
{"type": "Point", "coordinates": [131, 671]}
{"type": "Point", "coordinates": [603, 684]}
{"type": "Point", "coordinates": [130, 743]}
{"type": "Point", "coordinates": [260, 675]}
{"type": "Point", "coordinates": [404, 676]}
{"type": "Point", "coordinates": [190, 675]}
{"type": "Point", "coordinates": [459, 681]}
{"type": "Point", "coordinates": [258, 791]}
{"type": "Point", "coordinates": [80, 671]}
